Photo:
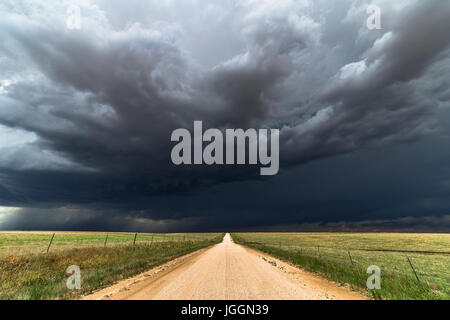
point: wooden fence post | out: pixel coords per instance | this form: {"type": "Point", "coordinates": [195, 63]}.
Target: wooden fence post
{"type": "Point", "coordinates": [318, 251]}
{"type": "Point", "coordinates": [106, 239]}
{"type": "Point", "coordinates": [349, 255]}
{"type": "Point", "coordinates": [51, 240]}
{"type": "Point", "coordinates": [134, 241]}
{"type": "Point", "coordinates": [410, 263]}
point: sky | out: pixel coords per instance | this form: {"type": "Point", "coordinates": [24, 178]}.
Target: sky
{"type": "Point", "coordinates": [86, 114]}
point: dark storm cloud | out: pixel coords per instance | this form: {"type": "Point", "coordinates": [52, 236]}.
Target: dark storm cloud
{"type": "Point", "coordinates": [373, 99]}
{"type": "Point", "coordinates": [101, 102]}
{"type": "Point", "coordinates": [69, 219]}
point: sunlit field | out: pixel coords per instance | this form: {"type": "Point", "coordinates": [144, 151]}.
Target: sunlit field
{"type": "Point", "coordinates": [33, 266]}
{"type": "Point", "coordinates": [423, 259]}
{"type": "Point", "coordinates": [16, 242]}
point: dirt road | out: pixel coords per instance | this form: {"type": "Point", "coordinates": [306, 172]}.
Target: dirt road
{"type": "Point", "coordinates": [226, 271]}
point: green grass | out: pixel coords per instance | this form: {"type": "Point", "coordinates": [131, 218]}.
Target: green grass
{"type": "Point", "coordinates": [43, 276]}
{"type": "Point", "coordinates": [429, 254]}
{"type": "Point", "coordinates": [23, 242]}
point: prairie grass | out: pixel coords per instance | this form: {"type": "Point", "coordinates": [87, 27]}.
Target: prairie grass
{"type": "Point", "coordinates": [30, 276]}
{"type": "Point", "coordinates": [14, 242]}
{"type": "Point", "coordinates": [345, 257]}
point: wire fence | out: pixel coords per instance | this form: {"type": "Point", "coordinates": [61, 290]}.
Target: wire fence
{"type": "Point", "coordinates": [45, 242]}
{"type": "Point", "coordinates": [432, 267]}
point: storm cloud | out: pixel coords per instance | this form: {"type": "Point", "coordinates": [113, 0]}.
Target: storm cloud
{"type": "Point", "coordinates": [86, 115]}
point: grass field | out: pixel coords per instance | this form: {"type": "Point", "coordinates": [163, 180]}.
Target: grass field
{"type": "Point", "coordinates": [28, 272]}
{"type": "Point", "coordinates": [344, 257]}
{"type": "Point", "coordinates": [24, 242]}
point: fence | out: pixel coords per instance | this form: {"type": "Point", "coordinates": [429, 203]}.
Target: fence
{"type": "Point", "coordinates": [45, 242]}
{"type": "Point", "coordinates": [432, 267]}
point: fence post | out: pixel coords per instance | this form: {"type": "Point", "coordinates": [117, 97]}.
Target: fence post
{"type": "Point", "coordinates": [106, 239]}
{"type": "Point", "coordinates": [152, 240]}
{"type": "Point", "coordinates": [318, 251]}
{"type": "Point", "coordinates": [350, 256]}
{"type": "Point", "coordinates": [410, 263]}
{"type": "Point", "coordinates": [51, 240]}
{"type": "Point", "coordinates": [134, 241]}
